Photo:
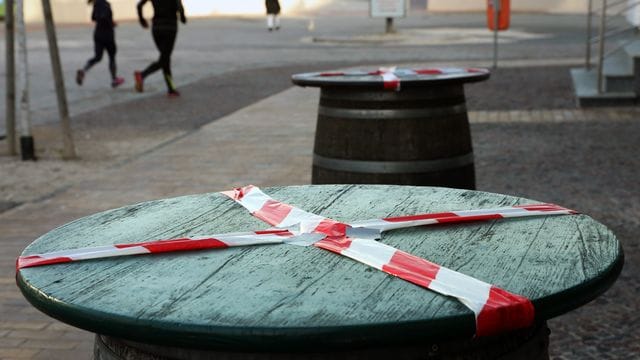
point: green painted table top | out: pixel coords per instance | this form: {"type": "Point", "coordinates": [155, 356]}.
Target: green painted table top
{"type": "Point", "coordinates": [289, 297]}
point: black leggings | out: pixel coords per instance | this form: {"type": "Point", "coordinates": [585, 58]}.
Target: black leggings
{"type": "Point", "coordinates": [165, 38]}
{"type": "Point", "coordinates": [100, 45]}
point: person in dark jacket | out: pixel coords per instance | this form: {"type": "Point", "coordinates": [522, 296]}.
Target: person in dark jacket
{"type": "Point", "coordinates": [103, 39]}
{"type": "Point", "coordinates": [273, 14]}
{"type": "Point", "coordinates": [164, 30]}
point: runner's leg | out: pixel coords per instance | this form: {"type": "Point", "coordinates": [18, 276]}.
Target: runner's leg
{"type": "Point", "coordinates": [111, 51]}
{"type": "Point", "coordinates": [167, 40]}
{"type": "Point", "coordinates": [98, 48]}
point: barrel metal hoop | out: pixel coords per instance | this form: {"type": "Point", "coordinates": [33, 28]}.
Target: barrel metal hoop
{"type": "Point", "coordinates": [418, 94]}
{"type": "Point", "coordinates": [392, 167]}
{"type": "Point", "coordinates": [391, 113]}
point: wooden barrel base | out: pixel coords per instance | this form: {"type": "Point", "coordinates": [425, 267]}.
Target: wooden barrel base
{"type": "Point", "coordinates": [528, 344]}
{"type": "Point", "coordinates": [417, 136]}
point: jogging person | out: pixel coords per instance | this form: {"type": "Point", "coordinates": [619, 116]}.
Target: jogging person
{"type": "Point", "coordinates": [103, 39]}
{"type": "Point", "coordinates": [164, 31]}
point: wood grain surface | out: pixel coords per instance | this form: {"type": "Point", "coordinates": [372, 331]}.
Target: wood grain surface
{"type": "Point", "coordinates": [289, 297]}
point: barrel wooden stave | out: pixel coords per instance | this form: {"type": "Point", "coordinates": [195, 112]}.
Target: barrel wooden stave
{"type": "Point", "coordinates": [525, 344]}
{"type": "Point", "coordinates": [417, 136]}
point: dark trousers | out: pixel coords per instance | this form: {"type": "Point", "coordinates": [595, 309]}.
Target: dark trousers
{"type": "Point", "coordinates": [100, 44]}
{"type": "Point", "coordinates": [165, 39]}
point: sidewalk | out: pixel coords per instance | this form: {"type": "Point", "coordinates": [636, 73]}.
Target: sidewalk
{"type": "Point", "coordinates": [207, 47]}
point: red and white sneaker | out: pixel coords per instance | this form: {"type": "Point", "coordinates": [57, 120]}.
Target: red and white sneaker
{"type": "Point", "coordinates": [139, 81]}
{"type": "Point", "coordinates": [117, 82]}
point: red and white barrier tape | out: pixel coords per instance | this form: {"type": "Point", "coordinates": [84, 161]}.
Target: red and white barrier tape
{"type": "Point", "coordinates": [496, 310]}
{"type": "Point", "coordinates": [399, 222]}
{"type": "Point", "coordinates": [222, 241]}
{"type": "Point", "coordinates": [273, 212]}
{"type": "Point", "coordinates": [391, 79]}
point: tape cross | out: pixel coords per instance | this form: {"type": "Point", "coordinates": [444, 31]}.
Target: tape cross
{"type": "Point", "coordinates": [496, 310]}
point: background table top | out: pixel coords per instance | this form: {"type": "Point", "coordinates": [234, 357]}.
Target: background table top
{"type": "Point", "coordinates": [287, 297]}
{"type": "Point", "coordinates": [361, 79]}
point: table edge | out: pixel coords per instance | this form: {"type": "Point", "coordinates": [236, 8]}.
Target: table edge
{"type": "Point", "coordinates": [461, 326]}
{"type": "Point", "coordinates": [304, 81]}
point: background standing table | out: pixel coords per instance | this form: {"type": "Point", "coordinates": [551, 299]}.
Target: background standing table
{"type": "Point", "coordinates": [395, 126]}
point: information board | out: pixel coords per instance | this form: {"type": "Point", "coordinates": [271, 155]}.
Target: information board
{"type": "Point", "coordinates": [388, 8]}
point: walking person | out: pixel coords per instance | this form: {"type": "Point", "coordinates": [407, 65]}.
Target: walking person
{"type": "Point", "coordinates": [103, 39]}
{"type": "Point", "coordinates": [273, 14]}
{"type": "Point", "coordinates": [164, 30]}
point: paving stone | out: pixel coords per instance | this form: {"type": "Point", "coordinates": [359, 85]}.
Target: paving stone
{"type": "Point", "coordinates": [6, 205]}
{"type": "Point", "coordinates": [35, 334]}
{"type": "Point", "coordinates": [49, 344]}
{"type": "Point", "coordinates": [17, 353]}
{"type": "Point", "coordinates": [23, 325]}
{"type": "Point", "coordinates": [10, 343]}
{"type": "Point", "coordinates": [49, 354]}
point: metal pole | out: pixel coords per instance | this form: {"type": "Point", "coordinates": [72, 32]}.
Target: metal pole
{"type": "Point", "coordinates": [26, 140]}
{"type": "Point", "coordinates": [496, 13]}
{"type": "Point", "coordinates": [10, 95]}
{"type": "Point", "coordinates": [69, 151]}
{"type": "Point", "coordinates": [587, 59]}
{"type": "Point", "coordinates": [603, 24]}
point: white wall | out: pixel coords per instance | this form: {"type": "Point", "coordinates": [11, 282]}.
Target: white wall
{"type": "Point", "coordinates": [77, 11]}
{"type": "Point", "coordinates": [546, 6]}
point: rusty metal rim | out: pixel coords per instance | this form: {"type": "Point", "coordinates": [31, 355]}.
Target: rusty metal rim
{"type": "Point", "coordinates": [391, 113]}
{"type": "Point", "coordinates": [392, 167]}
{"type": "Point", "coordinates": [431, 93]}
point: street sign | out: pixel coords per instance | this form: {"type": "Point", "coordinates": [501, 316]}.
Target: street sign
{"type": "Point", "coordinates": [498, 14]}
{"type": "Point", "coordinates": [388, 8]}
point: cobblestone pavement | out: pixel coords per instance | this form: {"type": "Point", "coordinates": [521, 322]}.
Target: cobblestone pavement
{"type": "Point", "coordinates": [586, 160]}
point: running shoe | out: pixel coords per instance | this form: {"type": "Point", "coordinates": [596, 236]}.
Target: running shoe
{"type": "Point", "coordinates": [137, 76]}
{"type": "Point", "coordinates": [116, 82]}
{"type": "Point", "coordinates": [79, 77]}
{"type": "Point", "coordinates": [173, 93]}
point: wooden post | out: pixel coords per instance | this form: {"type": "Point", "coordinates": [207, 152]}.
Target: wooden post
{"type": "Point", "coordinates": [69, 151]}
{"type": "Point", "coordinates": [26, 139]}
{"type": "Point", "coordinates": [10, 94]}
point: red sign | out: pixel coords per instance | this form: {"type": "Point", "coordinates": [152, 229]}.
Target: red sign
{"type": "Point", "coordinates": [503, 8]}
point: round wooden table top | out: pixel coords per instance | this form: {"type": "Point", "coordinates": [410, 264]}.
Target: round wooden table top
{"type": "Point", "coordinates": [284, 297]}
{"type": "Point", "coordinates": [408, 77]}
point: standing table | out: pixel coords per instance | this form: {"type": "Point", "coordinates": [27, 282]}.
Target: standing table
{"type": "Point", "coordinates": [293, 302]}
{"type": "Point", "coordinates": [393, 126]}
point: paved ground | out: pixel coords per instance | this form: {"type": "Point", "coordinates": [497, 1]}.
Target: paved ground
{"type": "Point", "coordinates": [208, 47]}
{"type": "Point", "coordinates": [150, 148]}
